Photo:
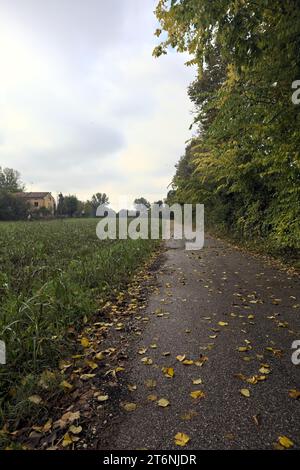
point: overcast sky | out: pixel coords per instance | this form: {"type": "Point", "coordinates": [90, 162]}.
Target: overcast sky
{"type": "Point", "coordinates": [84, 107]}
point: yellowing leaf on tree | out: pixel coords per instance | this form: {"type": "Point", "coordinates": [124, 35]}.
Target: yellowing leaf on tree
{"type": "Point", "coordinates": [245, 392]}
{"type": "Point", "coordinates": [285, 442]}
{"type": "Point", "coordinates": [181, 439]}
{"type": "Point", "coordinates": [163, 402]}
{"type": "Point", "coordinates": [196, 394]}
{"type": "Point", "coordinates": [84, 342]}
{"type": "Point", "coordinates": [168, 372]}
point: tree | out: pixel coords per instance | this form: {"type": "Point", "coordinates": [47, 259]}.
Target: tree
{"type": "Point", "coordinates": [10, 180]}
{"type": "Point", "coordinates": [142, 201]}
{"type": "Point", "coordinates": [244, 162]}
{"type": "Point", "coordinates": [12, 207]}
{"type": "Point", "coordinates": [71, 205]}
{"type": "Point", "coordinates": [61, 205]}
{"type": "Point", "coordinates": [97, 200]}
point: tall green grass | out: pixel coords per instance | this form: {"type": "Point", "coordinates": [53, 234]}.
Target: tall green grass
{"type": "Point", "coordinates": [52, 275]}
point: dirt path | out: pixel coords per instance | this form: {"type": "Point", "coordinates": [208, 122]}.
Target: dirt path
{"type": "Point", "coordinates": [258, 307]}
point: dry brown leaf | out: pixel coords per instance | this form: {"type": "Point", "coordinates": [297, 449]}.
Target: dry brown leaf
{"type": "Point", "coordinates": [294, 394]}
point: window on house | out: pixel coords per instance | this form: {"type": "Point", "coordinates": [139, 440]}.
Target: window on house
{"type": "Point", "coordinates": [36, 204]}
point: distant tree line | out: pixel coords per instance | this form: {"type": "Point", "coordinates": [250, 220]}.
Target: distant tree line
{"type": "Point", "coordinates": [71, 206]}
{"type": "Point", "coordinates": [13, 207]}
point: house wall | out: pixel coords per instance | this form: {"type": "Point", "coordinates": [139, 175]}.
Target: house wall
{"type": "Point", "coordinates": [48, 202]}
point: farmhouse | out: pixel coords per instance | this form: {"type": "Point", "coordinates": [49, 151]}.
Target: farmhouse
{"type": "Point", "coordinates": [38, 200]}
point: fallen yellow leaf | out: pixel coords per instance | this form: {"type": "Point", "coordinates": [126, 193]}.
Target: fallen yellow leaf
{"type": "Point", "coordinates": [168, 371]}
{"type": "Point", "coordinates": [181, 439]}
{"type": "Point", "coordinates": [188, 362]}
{"type": "Point", "coordinates": [84, 342]}
{"type": "Point", "coordinates": [197, 394]}
{"type": "Point", "coordinates": [197, 381]}
{"type": "Point", "coordinates": [67, 440]}
{"type": "Point", "coordinates": [66, 385]}
{"type": "Point", "coordinates": [85, 377]}
{"type": "Point", "coordinates": [152, 397]}
{"type": "Point", "coordinates": [180, 357]}
{"type": "Point", "coordinates": [130, 406]}
{"type": "Point", "coordinates": [245, 392]}
{"type": "Point", "coordinates": [36, 399]}
{"type": "Point", "coordinates": [163, 402]}
{"type": "Point", "coordinates": [147, 361]}
{"type": "Point", "coordinates": [285, 442]}
{"type": "Point", "coordinates": [222, 323]}
{"type": "Point", "coordinates": [102, 397]}
{"type": "Point", "coordinates": [75, 429]}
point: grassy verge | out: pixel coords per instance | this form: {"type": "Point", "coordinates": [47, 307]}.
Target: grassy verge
{"type": "Point", "coordinates": [53, 277]}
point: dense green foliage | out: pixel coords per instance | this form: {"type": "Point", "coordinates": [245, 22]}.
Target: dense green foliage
{"type": "Point", "coordinates": [53, 274]}
{"type": "Point", "coordinates": [244, 162]}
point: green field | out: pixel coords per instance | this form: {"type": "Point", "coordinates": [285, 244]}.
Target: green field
{"type": "Point", "coordinates": [53, 274]}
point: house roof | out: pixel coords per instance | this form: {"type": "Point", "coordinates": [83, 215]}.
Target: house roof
{"type": "Point", "coordinates": [34, 195]}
